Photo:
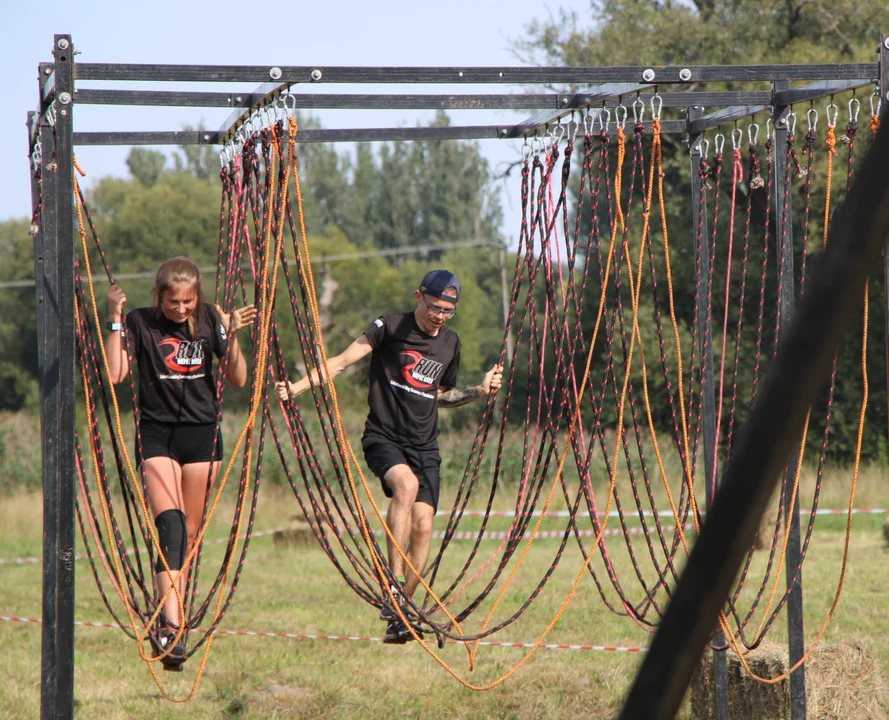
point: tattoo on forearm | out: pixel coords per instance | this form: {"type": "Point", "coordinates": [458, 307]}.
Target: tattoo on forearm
{"type": "Point", "coordinates": [456, 398]}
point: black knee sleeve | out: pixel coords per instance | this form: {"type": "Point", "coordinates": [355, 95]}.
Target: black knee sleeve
{"type": "Point", "coordinates": [173, 537]}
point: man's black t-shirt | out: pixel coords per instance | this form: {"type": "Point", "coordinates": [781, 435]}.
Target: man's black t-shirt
{"type": "Point", "coordinates": [407, 367]}
{"type": "Point", "coordinates": [176, 379]}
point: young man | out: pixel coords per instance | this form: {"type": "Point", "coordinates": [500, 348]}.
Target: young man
{"type": "Point", "coordinates": [413, 372]}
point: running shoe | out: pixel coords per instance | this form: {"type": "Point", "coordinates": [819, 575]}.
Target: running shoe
{"type": "Point", "coordinates": [397, 633]}
{"type": "Point", "coordinates": [387, 612]}
{"type": "Point", "coordinates": [160, 642]}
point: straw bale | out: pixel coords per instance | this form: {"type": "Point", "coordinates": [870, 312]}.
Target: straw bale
{"type": "Point", "coordinates": [843, 681]}
{"type": "Point", "coordinates": [297, 533]}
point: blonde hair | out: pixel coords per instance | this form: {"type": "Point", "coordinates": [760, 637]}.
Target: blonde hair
{"type": "Point", "coordinates": [177, 271]}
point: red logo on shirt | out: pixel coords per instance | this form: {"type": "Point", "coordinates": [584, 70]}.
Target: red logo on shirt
{"type": "Point", "coordinates": [421, 372]}
{"type": "Point", "coordinates": [185, 356]}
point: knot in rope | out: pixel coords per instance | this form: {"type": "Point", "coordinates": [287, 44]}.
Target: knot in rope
{"type": "Point", "coordinates": [831, 140]}
{"type": "Point", "coordinates": [874, 123]}
{"type": "Point", "coordinates": [656, 125]}
{"type": "Point", "coordinates": [76, 166]}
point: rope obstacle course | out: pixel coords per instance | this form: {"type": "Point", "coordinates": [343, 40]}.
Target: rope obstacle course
{"type": "Point", "coordinates": [609, 236]}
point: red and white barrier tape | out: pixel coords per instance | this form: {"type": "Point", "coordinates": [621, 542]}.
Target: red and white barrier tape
{"type": "Point", "coordinates": [80, 556]}
{"type": "Point", "coordinates": [501, 534]}
{"type": "Point", "coordinates": [649, 513]}
{"type": "Point", "coordinates": [356, 638]}
{"type": "Point", "coordinates": [438, 535]}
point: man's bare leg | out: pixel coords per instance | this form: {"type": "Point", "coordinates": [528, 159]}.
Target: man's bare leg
{"type": "Point", "coordinates": [404, 485]}
{"type": "Point", "coordinates": [422, 518]}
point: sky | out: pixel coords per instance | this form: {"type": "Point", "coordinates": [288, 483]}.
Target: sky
{"type": "Point", "coordinates": [349, 32]}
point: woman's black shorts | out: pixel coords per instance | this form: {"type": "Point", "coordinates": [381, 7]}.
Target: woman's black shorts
{"type": "Point", "coordinates": [382, 455]}
{"type": "Point", "coordinates": [183, 442]}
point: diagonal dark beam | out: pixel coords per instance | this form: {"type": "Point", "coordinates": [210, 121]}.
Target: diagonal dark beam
{"type": "Point", "coordinates": [263, 96]}
{"type": "Point", "coordinates": [858, 235]}
{"type": "Point", "coordinates": [570, 103]}
{"type": "Point", "coordinates": [818, 90]}
{"type": "Point", "coordinates": [784, 97]}
{"type": "Point", "coordinates": [725, 115]}
{"type": "Point", "coordinates": [326, 135]}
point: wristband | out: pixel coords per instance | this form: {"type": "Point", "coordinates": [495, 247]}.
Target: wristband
{"type": "Point", "coordinates": [112, 326]}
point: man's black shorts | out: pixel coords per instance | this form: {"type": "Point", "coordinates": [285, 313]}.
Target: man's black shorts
{"type": "Point", "coordinates": [381, 455]}
{"type": "Point", "coordinates": [185, 443]}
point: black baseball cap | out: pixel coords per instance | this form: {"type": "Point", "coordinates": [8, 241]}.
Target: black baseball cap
{"type": "Point", "coordinates": [436, 282]}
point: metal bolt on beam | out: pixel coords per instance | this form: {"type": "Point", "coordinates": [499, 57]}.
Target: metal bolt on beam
{"type": "Point", "coordinates": [648, 75]}
{"type": "Point", "coordinates": [886, 43]}
{"type": "Point", "coordinates": [65, 98]}
{"type": "Point", "coordinates": [275, 73]}
{"type": "Point", "coordinates": [63, 44]}
{"type": "Point", "coordinates": [685, 74]}
{"type": "Point", "coordinates": [47, 71]}
{"type": "Point", "coordinates": [315, 75]}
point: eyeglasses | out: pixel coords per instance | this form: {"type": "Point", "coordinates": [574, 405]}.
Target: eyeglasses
{"type": "Point", "coordinates": [435, 310]}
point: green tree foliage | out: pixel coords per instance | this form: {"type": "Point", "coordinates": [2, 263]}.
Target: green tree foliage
{"type": "Point", "coordinates": [18, 324]}
{"type": "Point", "coordinates": [146, 165]}
{"type": "Point", "coordinates": [429, 192]}
{"type": "Point", "coordinates": [707, 32]}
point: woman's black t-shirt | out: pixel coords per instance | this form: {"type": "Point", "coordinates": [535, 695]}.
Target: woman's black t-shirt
{"type": "Point", "coordinates": [407, 367]}
{"type": "Point", "coordinates": [176, 379]}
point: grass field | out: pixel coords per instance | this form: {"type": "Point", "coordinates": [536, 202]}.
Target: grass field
{"type": "Point", "coordinates": [295, 589]}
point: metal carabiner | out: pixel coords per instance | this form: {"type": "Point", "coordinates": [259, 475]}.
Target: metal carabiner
{"type": "Point", "coordinates": [752, 133]}
{"type": "Point", "coordinates": [290, 110]}
{"type": "Point", "coordinates": [737, 136]}
{"type": "Point", "coordinates": [832, 123]}
{"type": "Point", "coordinates": [620, 121]}
{"type": "Point", "coordinates": [703, 148]}
{"type": "Point", "coordinates": [656, 98]}
{"type": "Point", "coordinates": [875, 107]}
{"type": "Point", "coordinates": [559, 134]}
{"type": "Point", "coordinates": [812, 119]}
{"type": "Point", "coordinates": [853, 116]}
{"type": "Point", "coordinates": [638, 116]}
{"type": "Point", "coordinates": [573, 127]}
{"type": "Point", "coordinates": [719, 143]}
{"type": "Point", "coordinates": [589, 122]}
{"type": "Point", "coordinates": [526, 151]}
{"type": "Point", "coordinates": [791, 124]}
{"type": "Point", "coordinates": [606, 123]}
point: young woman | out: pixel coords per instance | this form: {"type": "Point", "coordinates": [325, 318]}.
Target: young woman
{"type": "Point", "coordinates": [173, 343]}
